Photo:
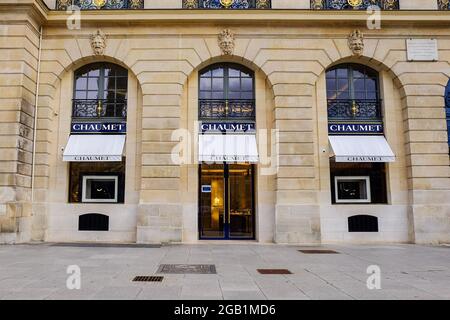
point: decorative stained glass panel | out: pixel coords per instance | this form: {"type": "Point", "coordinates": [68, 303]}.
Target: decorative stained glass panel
{"type": "Point", "coordinates": [354, 4]}
{"type": "Point", "coordinates": [100, 4]}
{"type": "Point", "coordinates": [444, 4]}
{"type": "Point", "coordinates": [227, 4]}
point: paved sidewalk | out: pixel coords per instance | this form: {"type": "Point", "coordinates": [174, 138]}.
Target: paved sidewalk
{"type": "Point", "coordinates": [38, 271]}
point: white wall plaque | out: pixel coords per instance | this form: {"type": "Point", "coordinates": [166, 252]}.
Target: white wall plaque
{"type": "Point", "coordinates": [422, 49]}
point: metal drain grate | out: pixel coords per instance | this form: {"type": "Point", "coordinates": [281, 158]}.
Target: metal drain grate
{"type": "Point", "coordinates": [187, 268]}
{"type": "Point", "coordinates": [148, 279]}
{"type": "Point", "coordinates": [319, 251]}
{"type": "Point", "coordinates": [274, 271]}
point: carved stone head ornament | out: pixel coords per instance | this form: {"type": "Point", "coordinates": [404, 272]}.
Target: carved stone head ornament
{"type": "Point", "coordinates": [356, 42]}
{"type": "Point", "coordinates": [98, 42]}
{"type": "Point", "coordinates": [226, 42]}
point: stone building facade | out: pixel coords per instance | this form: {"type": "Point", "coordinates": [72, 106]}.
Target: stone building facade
{"type": "Point", "coordinates": [290, 50]}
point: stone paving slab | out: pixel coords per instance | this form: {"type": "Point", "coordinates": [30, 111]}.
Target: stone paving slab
{"type": "Point", "coordinates": [160, 293]}
{"type": "Point", "coordinates": [39, 271]}
{"type": "Point", "coordinates": [243, 295]}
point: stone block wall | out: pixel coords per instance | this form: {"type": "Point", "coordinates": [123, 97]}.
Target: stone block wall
{"type": "Point", "coordinates": [19, 43]}
{"type": "Point", "coordinates": [291, 58]}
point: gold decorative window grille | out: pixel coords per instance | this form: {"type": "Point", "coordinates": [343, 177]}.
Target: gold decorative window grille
{"type": "Point", "coordinates": [227, 4]}
{"type": "Point", "coordinates": [100, 4]}
{"type": "Point", "coordinates": [355, 4]}
{"type": "Point", "coordinates": [444, 4]}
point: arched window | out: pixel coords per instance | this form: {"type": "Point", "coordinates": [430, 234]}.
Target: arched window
{"type": "Point", "coordinates": [100, 90]}
{"type": "Point", "coordinates": [354, 109]}
{"type": "Point", "coordinates": [447, 110]}
{"type": "Point", "coordinates": [226, 91]}
{"type": "Point", "coordinates": [353, 93]}
{"type": "Point", "coordinates": [98, 129]}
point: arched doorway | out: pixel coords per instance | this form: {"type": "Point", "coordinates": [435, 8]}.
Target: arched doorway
{"type": "Point", "coordinates": [227, 150]}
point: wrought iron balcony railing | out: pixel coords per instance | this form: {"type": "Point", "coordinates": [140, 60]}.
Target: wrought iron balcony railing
{"type": "Point", "coordinates": [354, 110]}
{"type": "Point", "coordinates": [226, 109]}
{"type": "Point", "coordinates": [444, 4]}
{"type": "Point", "coordinates": [227, 4]}
{"type": "Point", "coordinates": [100, 4]}
{"type": "Point", "coordinates": [99, 108]}
{"type": "Point", "coordinates": [354, 4]}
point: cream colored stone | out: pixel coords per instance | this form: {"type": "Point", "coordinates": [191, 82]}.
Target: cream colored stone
{"type": "Point", "coordinates": [289, 50]}
{"type": "Point", "coordinates": [418, 4]}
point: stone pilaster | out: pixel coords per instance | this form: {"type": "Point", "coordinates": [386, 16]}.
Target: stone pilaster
{"type": "Point", "coordinates": [427, 154]}
{"type": "Point", "coordinates": [160, 209]}
{"type": "Point", "coordinates": [19, 47]}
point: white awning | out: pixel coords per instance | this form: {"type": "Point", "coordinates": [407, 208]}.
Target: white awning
{"type": "Point", "coordinates": [361, 149]}
{"type": "Point", "coordinates": [227, 148]}
{"type": "Point", "coordinates": [90, 148]}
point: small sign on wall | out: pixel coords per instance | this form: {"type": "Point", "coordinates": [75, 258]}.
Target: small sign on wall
{"type": "Point", "coordinates": [227, 127]}
{"type": "Point", "coordinates": [96, 127]}
{"type": "Point", "coordinates": [206, 189]}
{"type": "Point", "coordinates": [355, 128]}
{"type": "Point", "coordinates": [422, 49]}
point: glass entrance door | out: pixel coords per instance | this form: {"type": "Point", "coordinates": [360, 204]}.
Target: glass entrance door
{"type": "Point", "coordinates": [226, 201]}
{"type": "Point", "coordinates": [240, 213]}
{"type": "Point", "coordinates": [212, 201]}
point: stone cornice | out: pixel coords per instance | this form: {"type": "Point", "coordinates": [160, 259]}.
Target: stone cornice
{"type": "Point", "coordinates": [311, 17]}
{"type": "Point", "coordinates": [21, 10]}
{"type": "Point", "coordinates": [41, 14]}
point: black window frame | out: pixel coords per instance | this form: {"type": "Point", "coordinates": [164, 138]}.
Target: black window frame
{"type": "Point", "coordinates": [341, 200]}
{"type": "Point", "coordinates": [120, 187]}
{"type": "Point", "coordinates": [120, 181]}
{"type": "Point", "coordinates": [101, 67]}
{"type": "Point", "coordinates": [100, 101]}
{"type": "Point", "coordinates": [377, 171]}
{"type": "Point", "coordinates": [351, 68]}
{"type": "Point", "coordinates": [226, 67]}
{"type": "Point", "coordinates": [219, 104]}
{"type": "Point", "coordinates": [351, 104]}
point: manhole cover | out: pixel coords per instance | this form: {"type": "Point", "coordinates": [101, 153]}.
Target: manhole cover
{"type": "Point", "coordinates": [187, 268]}
{"type": "Point", "coordinates": [148, 279]}
{"type": "Point", "coordinates": [274, 271]}
{"type": "Point", "coordinates": [319, 251]}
